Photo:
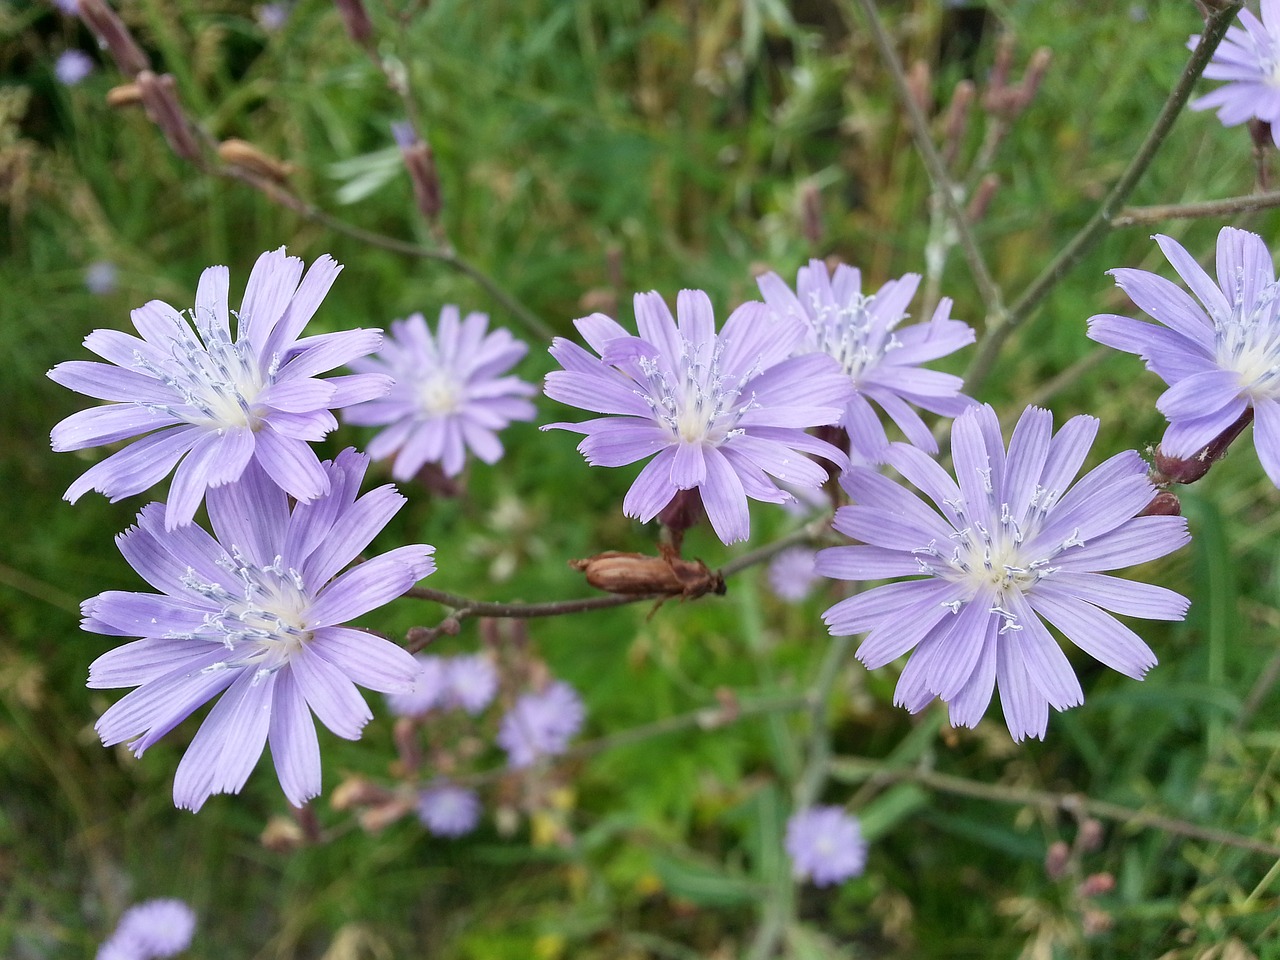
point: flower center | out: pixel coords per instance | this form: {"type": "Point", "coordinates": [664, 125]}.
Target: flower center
{"type": "Point", "coordinates": [703, 405]}
{"type": "Point", "coordinates": [217, 379]}
{"type": "Point", "coordinates": [439, 395]}
{"type": "Point", "coordinates": [262, 620]}
{"type": "Point", "coordinates": [849, 334]}
{"type": "Point", "coordinates": [1002, 555]}
{"type": "Point", "coordinates": [1249, 343]}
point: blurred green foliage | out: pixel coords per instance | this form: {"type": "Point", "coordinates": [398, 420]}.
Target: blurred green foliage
{"type": "Point", "coordinates": [588, 149]}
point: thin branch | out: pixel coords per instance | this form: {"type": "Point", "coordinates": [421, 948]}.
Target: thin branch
{"type": "Point", "coordinates": [936, 169]}
{"type": "Point", "coordinates": [857, 768]}
{"type": "Point", "coordinates": [993, 338]}
{"type": "Point", "coordinates": [1131, 216]}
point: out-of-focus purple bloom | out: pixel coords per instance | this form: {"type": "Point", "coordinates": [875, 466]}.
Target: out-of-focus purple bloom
{"type": "Point", "coordinates": [69, 7]}
{"type": "Point", "coordinates": [792, 574]}
{"type": "Point", "coordinates": [1219, 359]}
{"type": "Point", "coordinates": [404, 134]}
{"type": "Point", "coordinates": [1013, 541]}
{"type": "Point", "coordinates": [272, 16]}
{"type": "Point", "coordinates": [449, 394]}
{"type": "Point", "coordinates": [448, 810]}
{"type": "Point", "coordinates": [72, 66]}
{"type": "Point", "coordinates": [430, 689]}
{"type": "Point", "coordinates": [541, 724]}
{"type": "Point", "coordinates": [1249, 60]}
{"type": "Point", "coordinates": [470, 682]}
{"type": "Point", "coordinates": [256, 615]}
{"type": "Point", "coordinates": [101, 277]}
{"type": "Point", "coordinates": [154, 929]}
{"type": "Point", "coordinates": [215, 403]}
{"type": "Point", "coordinates": [881, 358]}
{"type": "Point", "coordinates": [825, 845]}
{"type": "Point", "coordinates": [725, 413]}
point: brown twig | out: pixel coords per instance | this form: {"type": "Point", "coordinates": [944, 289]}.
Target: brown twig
{"type": "Point", "coordinates": [1131, 216]}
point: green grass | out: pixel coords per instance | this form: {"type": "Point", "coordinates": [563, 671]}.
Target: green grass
{"type": "Point", "coordinates": [573, 135]}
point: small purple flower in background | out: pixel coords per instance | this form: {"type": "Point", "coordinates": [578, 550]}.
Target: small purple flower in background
{"type": "Point", "coordinates": [72, 66]}
{"type": "Point", "coordinates": [151, 930]}
{"type": "Point", "coordinates": [70, 7]}
{"type": "Point", "coordinates": [470, 682]}
{"type": "Point", "coordinates": [825, 845]}
{"type": "Point", "coordinates": [430, 688]}
{"type": "Point", "coordinates": [101, 277]}
{"type": "Point", "coordinates": [1013, 542]}
{"type": "Point", "coordinates": [447, 810]}
{"type": "Point", "coordinates": [1249, 60]}
{"type": "Point", "coordinates": [214, 403]}
{"type": "Point", "coordinates": [449, 394]}
{"type": "Point", "coordinates": [255, 615]}
{"type": "Point", "coordinates": [272, 16]}
{"type": "Point", "coordinates": [792, 574]}
{"type": "Point", "coordinates": [724, 412]}
{"type": "Point", "coordinates": [1219, 359]}
{"type": "Point", "coordinates": [880, 358]}
{"type": "Point", "coordinates": [541, 724]}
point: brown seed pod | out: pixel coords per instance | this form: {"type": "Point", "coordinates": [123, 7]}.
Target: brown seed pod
{"type": "Point", "coordinates": [125, 95]}
{"type": "Point", "coordinates": [642, 575]}
{"type": "Point", "coordinates": [243, 154]}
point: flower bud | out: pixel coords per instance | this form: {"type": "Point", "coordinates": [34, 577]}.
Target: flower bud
{"type": "Point", "coordinates": [355, 20]}
{"type": "Point", "coordinates": [160, 98]}
{"type": "Point", "coordinates": [282, 835]}
{"type": "Point", "coordinates": [124, 95]}
{"type": "Point", "coordinates": [642, 575]}
{"type": "Point", "coordinates": [115, 36]}
{"type": "Point", "coordinates": [1090, 836]}
{"type": "Point", "coordinates": [1056, 859]}
{"type": "Point", "coordinates": [241, 153]}
{"type": "Point", "coordinates": [1096, 884]}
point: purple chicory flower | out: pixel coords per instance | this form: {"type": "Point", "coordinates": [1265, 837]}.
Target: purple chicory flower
{"type": "Point", "coordinates": [1013, 541]}
{"type": "Point", "coordinates": [792, 574]}
{"type": "Point", "coordinates": [210, 404]}
{"type": "Point", "coordinates": [1219, 359]}
{"type": "Point", "coordinates": [272, 16]}
{"type": "Point", "coordinates": [72, 66]}
{"type": "Point", "coordinates": [541, 724]}
{"type": "Point", "coordinates": [430, 689]}
{"type": "Point", "coordinates": [725, 413]}
{"type": "Point", "coordinates": [449, 393]}
{"type": "Point", "coordinates": [881, 358]}
{"type": "Point", "coordinates": [1249, 60]}
{"type": "Point", "coordinates": [70, 7]}
{"type": "Point", "coordinates": [470, 682]}
{"type": "Point", "coordinates": [448, 810]}
{"type": "Point", "coordinates": [101, 277]}
{"type": "Point", "coordinates": [154, 929]}
{"type": "Point", "coordinates": [255, 613]}
{"type": "Point", "coordinates": [825, 845]}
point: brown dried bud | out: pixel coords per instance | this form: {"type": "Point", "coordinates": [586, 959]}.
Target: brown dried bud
{"type": "Point", "coordinates": [1095, 922]}
{"type": "Point", "coordinates": [355, 20]}
{"type": "Point", "coordinates": [981, 199]}
{"type": "Point", "coordinates": [957, 121]}
{"type": "Point", "coordinates": [1260, 134]}
{"type": "Point", "coordinates": [125, 95]}
{"type": "Point", "coordinates": [1037, 67]}
{"type": "Point", "coordinates": [995, 98]}
{"type": "Point", "coordinates": [1056, 859]}
{"type": "Point", "coordinates": [358, 792]}
{"type": "Point", "coordinates": [641, 575]}
{"type": "Point", "coordinates": [1090, 836]}
{"type": "Point", "coordinates": [378, 818]}
{"type": "Point", "coordinates": [115, 36]}
{"type": "Point", "coordinates": [811, 224]}
{"type": "Point", "coordinates": [160, 97]}
{"type": "Point", "coordinates": [243, 154]}
{"type": "Point", "coordinates": [682, 512]}
{"type": "Point", "coordinates": [408, 748]}
{"type": "Point", "coordinates": [918, 84]}
{"type": "Point", "coordinates": [282, 835]}
{"type": "Point", "coordinates": [1163, 504]}
{"type": "Point", "coordinates": [1096, 884]}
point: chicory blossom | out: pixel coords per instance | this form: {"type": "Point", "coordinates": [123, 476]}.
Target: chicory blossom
{"type": "Point", "coordinates": [470, 682]}
{"type": "Point", "coordinates": [541, 724]}
{"type": "Point", "coordinates": [449, 395]}
{"type": "Point", "coordinates": [255, 613]}
{"type": "Point", "coordinates": [792, 574]}
{"type": "Point", "coordinates": [825, 845]}
{"type": "Point", "coordinates": [210, 403]}
{"type": "Point", "coordinates": [430, 686]}
{"type": "Point", "coordinates": [448, 810]}
{"type": "Point", "coordinates": [1218, 359]}
{"type": "Point", "coordinates": [725, 413]}
{"type": "Point", "coordinates": [1008, 542]}
{"type": "Point", "coordinates": [880, 357]}
{"type": "Point", "coordinates": [1249, 60]}
{"type": "Point", "coordinates": [72, 66]}
{"type": "Point", "coordinates": [151, 930]}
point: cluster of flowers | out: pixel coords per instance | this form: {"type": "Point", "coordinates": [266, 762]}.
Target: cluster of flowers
{"type": "Point", "coordinates": [150, 931]}
{"type": "Point", "coordinates": [539, 724]}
